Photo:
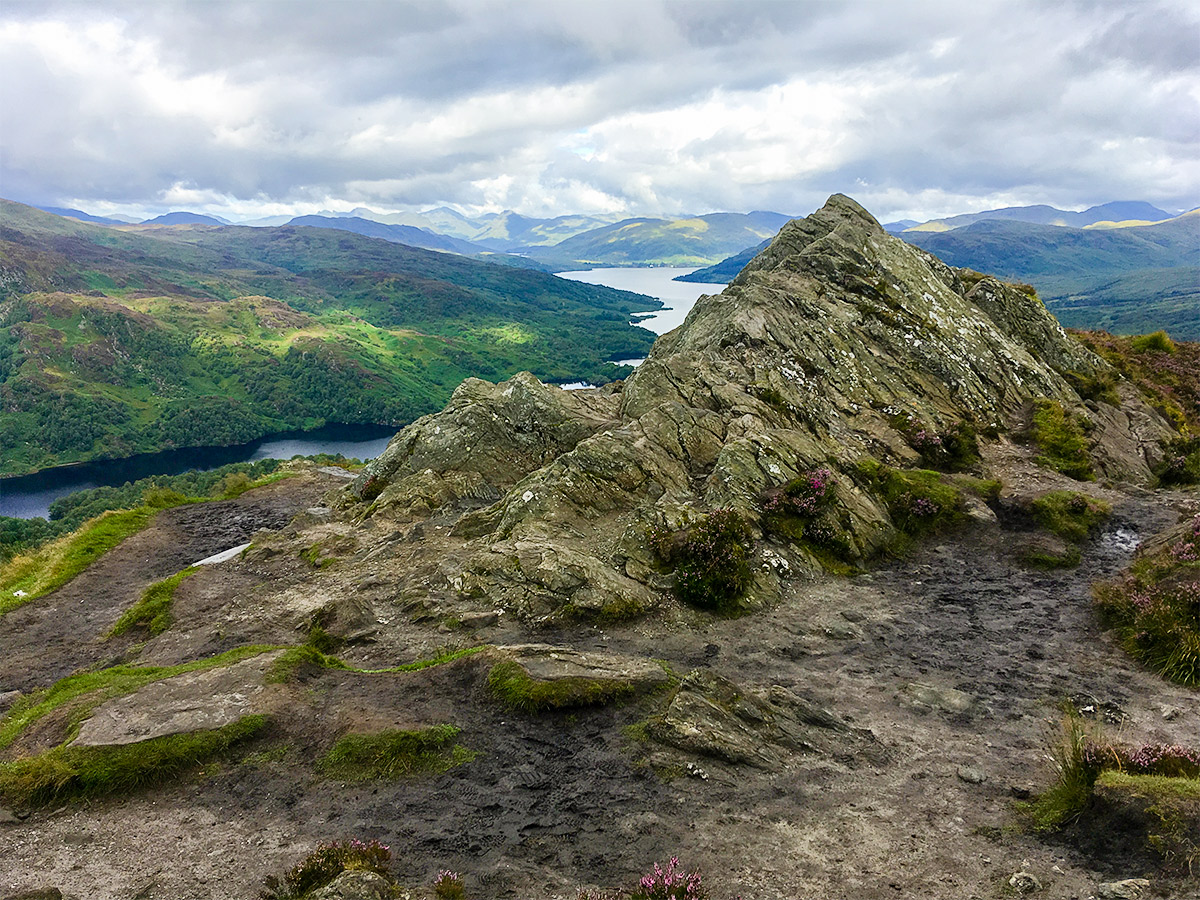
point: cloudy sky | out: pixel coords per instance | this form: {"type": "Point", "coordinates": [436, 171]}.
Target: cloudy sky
{"type": "Point", "coordinates": [917, 109]}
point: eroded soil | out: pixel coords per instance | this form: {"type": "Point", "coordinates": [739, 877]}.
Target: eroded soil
{"type": "Point", "coordinates": [557, 801]}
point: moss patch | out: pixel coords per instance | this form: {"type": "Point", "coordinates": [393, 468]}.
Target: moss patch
{"type": "Point", "coordinates": [1070, 515]}
{"type": "Point", "coordinates": [66, 772]}
{"type": "Point", "coordinates": [513, 686]}
{"type": "Point", "coordinates": [919, 501]}
{"type": "Point", "coordinates": [394, 754]}
{"type": "Point", "coordinates": [1059, 436]}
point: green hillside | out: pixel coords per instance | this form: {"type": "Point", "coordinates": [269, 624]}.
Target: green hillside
{"type": "Point", "coordinates": [697, 241]}
{"type": "Point", "coordinates": [116, 341]}
{"type": "Point", "coordinates": [1126, 280]}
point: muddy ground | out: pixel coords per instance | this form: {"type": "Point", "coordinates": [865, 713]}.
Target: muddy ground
{"type": "Point", "coordinates": [555, 802]}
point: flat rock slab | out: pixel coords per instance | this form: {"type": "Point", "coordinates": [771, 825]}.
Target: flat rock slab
{"type": "Point", "coordinates": [544, 662]}
{"type": "Point", "coordinates": [223, 556]}
{"type": "Point", "coordinates": [193, 701]}
{"type": "Point", "coordinates": [711, 716]}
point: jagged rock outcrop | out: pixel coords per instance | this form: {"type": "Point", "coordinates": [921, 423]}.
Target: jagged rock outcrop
{"type": "Point", "coordinates": [837, 342]}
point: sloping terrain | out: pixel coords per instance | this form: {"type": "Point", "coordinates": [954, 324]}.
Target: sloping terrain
{"type": "Point", "coordinates": [117, 342]}
{"type": "Point", "coordinates": [714, 611]}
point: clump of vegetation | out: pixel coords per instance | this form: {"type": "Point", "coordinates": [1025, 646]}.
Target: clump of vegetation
{"type": "Point", "coordinates": [513, 686]}
{"type": "Point", "coordinates": [1181, 464]}
{"type": "Point", "coordinates": [1101, 387]}
{"type": "Point", "coordinates": [1157, 342]}
{"type": "Point", "coordinates": [802, 512]}
{"type": "Point", "coordinates": [1169, 378]}
{"type": "Point", "coordinates": [1070, 515]}
{"type": "Point", "coordinates": [1060, 437]}
{"type": "Point", "coordinates": [711, 560]}
{"type": "Point", "coordinates": [1154, 607]}
{"type": "Point", "coordinates": [372, 488]}
{"type": "Point", "coordinates": [449, 886]}
{"type": "Point", "coordinates": [153, 609]}
{"type": "Point", "coordinates": [325, 864]}
{"type": "Point", "coordinates": [1086, 762]}
{"type": "Point", "coordinates": [671, 883]}
{"type": "Point", "coordinates": [919, 501]}
{"type": "Point", "coordinates": [394, 753]}
{"type": "Point", "coordinates": [67, 771]}
{"type": "Point", "coordinates": [1168, 808]}
{"type": "Point", "coordinates": [953, 450]}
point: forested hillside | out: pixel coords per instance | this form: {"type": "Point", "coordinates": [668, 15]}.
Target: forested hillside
{"type": "Point", "coordinates": [120, 341]}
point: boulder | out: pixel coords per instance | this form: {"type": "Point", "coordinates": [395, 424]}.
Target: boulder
{"type": "Point", "coordinates": [193, 701]}
{"type": "Point", "coordinates": [711, 716]}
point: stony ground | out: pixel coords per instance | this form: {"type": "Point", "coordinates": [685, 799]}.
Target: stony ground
{"type": "Point", "coordinates": [955, 659]}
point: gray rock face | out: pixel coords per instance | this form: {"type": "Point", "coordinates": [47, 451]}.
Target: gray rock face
{"type": "Point", "coordinates": [711, 716]}
{"type": "Point", "coordinates": [547, 664]}
{"type": "Point", "coordinates": [356, 886]}
{"type": "Point", "coordinates": [194, 701]}
{"type": "Point", "coordinates": [817, 354]}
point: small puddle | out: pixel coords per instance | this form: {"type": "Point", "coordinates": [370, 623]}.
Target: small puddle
{"type": "Point", "coordinates": [1119, 543]}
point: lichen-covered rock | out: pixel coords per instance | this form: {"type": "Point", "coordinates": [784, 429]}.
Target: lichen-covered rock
{"type": "Point", "coordinates": [486, 439]}
{"type": "Point", "coordinates": [711, 716]}
{"type": "Point", "coordinates": [548, 664]}
{"type": "Point", "coordinates": [192, 701]}
{"type": "Point", "coordinates": [356, 885]}
{"type": "Point", "coordinates": [837, 342]}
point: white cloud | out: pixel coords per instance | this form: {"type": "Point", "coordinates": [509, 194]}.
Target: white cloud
{"type": "Point", "coordinates": [918, 109]}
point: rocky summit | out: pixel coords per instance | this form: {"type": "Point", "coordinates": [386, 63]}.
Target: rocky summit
{"type": "Point", "coordinates": [805, 602]}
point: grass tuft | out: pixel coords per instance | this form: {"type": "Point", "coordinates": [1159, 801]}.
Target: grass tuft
{"type": "Point", "coordinates": [394, 754]}
{"type": "Point", "coordinates": [1060, 437]}
{"type": "Point", "coordinates": [68, 772]}
{"type": "Point", "coordinates": [153, 609]}
{"type": "Point", "coordinates": [27, 577]}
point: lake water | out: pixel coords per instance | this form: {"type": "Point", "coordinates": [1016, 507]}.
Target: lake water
{"type": "Point", "coordinates": [31, 495]}
{"type": "Point", "coordinates": [679, 296]}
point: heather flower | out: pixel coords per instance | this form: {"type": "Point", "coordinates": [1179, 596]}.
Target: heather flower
{"type": "Point", "coordinates": [669, 884]}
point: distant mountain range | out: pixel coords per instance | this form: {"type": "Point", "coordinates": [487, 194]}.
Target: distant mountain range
{"type": "Point", "coordinates": [1111, 214]}
{"type": "Point", "coordinates": [186, 218]}
{"type": "Point", "coordinates": [1125, 275]}
{"type": "Point", "coordinates": [663, 242]}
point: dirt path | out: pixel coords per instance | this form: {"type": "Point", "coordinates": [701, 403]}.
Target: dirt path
{"type": "Point", "coordinates": [554, 802]}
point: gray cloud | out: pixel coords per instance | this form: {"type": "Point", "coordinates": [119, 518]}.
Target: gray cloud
{"type": "Point", "coordinates": [646, 108]}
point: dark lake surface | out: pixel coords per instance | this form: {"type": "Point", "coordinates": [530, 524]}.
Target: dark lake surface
{"type": "Point", "coordinates": [31, 495]}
